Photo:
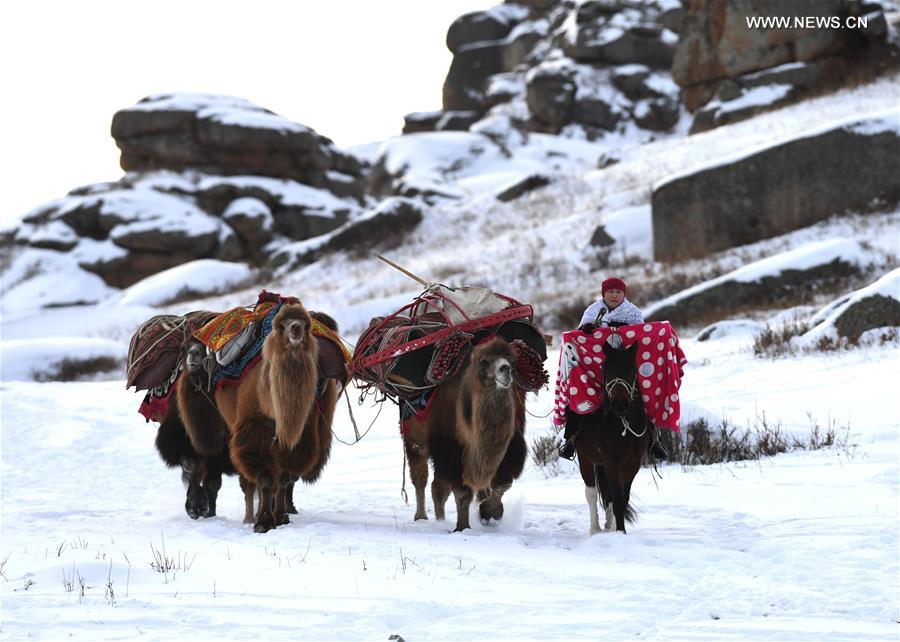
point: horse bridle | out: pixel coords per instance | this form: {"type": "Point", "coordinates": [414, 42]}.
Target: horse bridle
{"type": "Point", "coordinates": [611, 385]}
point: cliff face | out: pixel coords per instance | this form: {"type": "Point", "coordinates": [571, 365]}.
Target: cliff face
{"type": "Point", "coordinates": [592, 68]}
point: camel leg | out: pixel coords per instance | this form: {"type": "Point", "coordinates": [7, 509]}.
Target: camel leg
{"type": "Point", "coordinates": [249, 489]}
{"type": "Point", "coordinates": [211, 485]}
{"type": "Point", "coordinates": [440, 491]}
{"type": "Point", "coordinates": [289, 506]}
{"type": "Point", "coordinates": [418, 473]}
{"type": "Point", "coordinates": [463, 496]}
{"type": "Point", "coordinates": [265, 516]}
{"type": "Point", "coordinates": [492, 507]}
{"type": "Point", "coordinates": [196, 503]}
{"type": "Point", "coordinates": [281, 499]}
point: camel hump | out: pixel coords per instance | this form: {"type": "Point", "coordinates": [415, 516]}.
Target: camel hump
{"type": "Point", "coordinates": [494, 349]}
{"type": "Point", "coordinates": [324, 319]}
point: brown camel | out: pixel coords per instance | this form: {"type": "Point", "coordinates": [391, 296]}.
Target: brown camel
{"type": "Point", "coordinates": [268, 413]}
{"type": "Point", "coordinates": [207, 431]}
{"type": "Point", "coordinates": [474, 435]}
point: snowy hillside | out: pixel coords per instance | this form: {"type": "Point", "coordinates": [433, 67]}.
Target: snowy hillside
{"type": "Point", "coordinates": [96, 544]}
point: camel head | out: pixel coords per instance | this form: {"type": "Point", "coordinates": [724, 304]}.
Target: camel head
{"type": "Point", "coordinates": [293, 326]}
{"type": "Point", "coordinates": [494, 361]}
{"type": "Point", "coordinates": [193, 352]}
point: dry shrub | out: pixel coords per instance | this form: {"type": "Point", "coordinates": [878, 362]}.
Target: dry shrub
{"type": "Point", "coordinates": [77, 369]}
{"type": "Point", "coordinates": [545, 456]}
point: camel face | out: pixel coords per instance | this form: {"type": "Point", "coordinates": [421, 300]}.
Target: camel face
{"type": "Point", "coordinates": [193, 356]}
{"type": "Point", "coordinates": [295, 330]}
{"type": "Point", "coordinates": [502, 373]}
{"type": "Point", "coordinates": [495, 366]}
{"type": "Point", "coordinates": [293, 323]}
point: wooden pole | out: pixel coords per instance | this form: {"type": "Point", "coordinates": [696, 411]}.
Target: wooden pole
{"type": "Point", "coordinates": [406, 272]}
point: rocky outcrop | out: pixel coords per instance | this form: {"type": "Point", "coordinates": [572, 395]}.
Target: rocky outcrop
{"type": "Point", "coordinates": [209, 177]}
{"type": "Point", "coordinates": [877, 311]}
{"type": "Point", "coordinates": [549, 67]}
{"type": "Point", "coordinates": [851, 167]}
{"type": "Point", "coordinates": [382, 228]}
{"type": "Point", "coordinates": [812, 45]}
{"type": "Point", "coordinates": [230, 136]}
{"type": "Point", "coordinates": [847, 318]}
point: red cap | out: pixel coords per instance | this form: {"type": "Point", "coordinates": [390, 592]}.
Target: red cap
{"type": "Point", "coordinates": [613, 283]}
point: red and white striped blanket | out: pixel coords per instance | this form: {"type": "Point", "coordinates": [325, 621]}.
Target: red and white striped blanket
{"type": "Point", "coordinates": [659, 360]}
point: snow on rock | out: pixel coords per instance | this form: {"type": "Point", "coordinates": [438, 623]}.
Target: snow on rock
{"type": "Point", "coordinates": [631, 228]}
{"type": "Point", "coordinates": [758, 282]}
{"type": "Point", "coordinates": [199, 278]}
{"type": "Point", "coordinates": [874, 306]}
{"type": "Point", "coordinates": [39, 278]}
{"type": "Point", "coordinates": [37, 359]}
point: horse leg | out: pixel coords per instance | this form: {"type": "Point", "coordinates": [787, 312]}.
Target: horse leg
{"type": "Point", "coordinates": [195, 503]}
{"type": "Point", "coordinates": [605, 497]}
{"type": "Point", "coordinates": [619, 500]}
{"type": "Point", "coordinates": [590, 495]}
{"type": "Point", "coordinates": [249, 489]}
{"type": "Point", "coordinates": [265, 516]}
{"type": "Point", "coordinates": [212, 483]}
{"type": "Point", "coordinates": [463, 496]}
{"type": "Point", "coordinates": [418, 473]}
{"type": "Point", "coordinates": [440, 491]}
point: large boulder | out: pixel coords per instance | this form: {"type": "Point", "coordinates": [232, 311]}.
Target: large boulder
{"type": "Point", "coordinates": [719, 42]}
{"type": "Point", "coordinates": [850, 167]}
{"type": "Point", "coordinates": [477, 26]}
{"type": "Point", "coordinates": [550, 95]}
{"type": "Point", "coordinates": [874, 306]}
{"type": "Point", "coordinates": [795, 276]}
{"type": "Point", "coordinates": [224, 135]}
{"type": "Point", "coordinates": [472, 65]}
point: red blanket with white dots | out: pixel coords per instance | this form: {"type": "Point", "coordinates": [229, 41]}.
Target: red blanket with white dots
{"type": "Point", "coordinates": [660, 362]}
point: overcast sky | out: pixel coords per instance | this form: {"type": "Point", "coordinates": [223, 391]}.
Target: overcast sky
{"type": "Point", "coordinates": [350, 69]}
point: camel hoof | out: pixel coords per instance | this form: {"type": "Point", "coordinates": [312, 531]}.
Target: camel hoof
{"type": "Point", "coordinates": [489, 511]}
{"type": "Point", "coordinates": [282, 519]}
{"type": "Point", "coordinates": [262, 527]}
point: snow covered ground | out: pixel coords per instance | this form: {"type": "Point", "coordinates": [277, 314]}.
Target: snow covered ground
{"type": "Point", "coordinates": [801, 546]}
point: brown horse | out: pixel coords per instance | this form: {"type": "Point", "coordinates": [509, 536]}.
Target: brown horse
{"type": "Point", "coordinates": [613, 439]}
{"type": "Point", "coordinates": [474, 436]}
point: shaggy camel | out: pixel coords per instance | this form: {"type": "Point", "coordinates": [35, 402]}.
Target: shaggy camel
{"type": "Point", "coordinates": [207, 431]}
{"type": "Point", "coordinates": [275, 434]}
{"type": "Point", "coordinates": [473, 434]}
{"type": "Point", "coordinates": [202, 475]}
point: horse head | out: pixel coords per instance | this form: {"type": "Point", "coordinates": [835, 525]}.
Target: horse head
{"type": "Point", "coordinates": [619, 375]}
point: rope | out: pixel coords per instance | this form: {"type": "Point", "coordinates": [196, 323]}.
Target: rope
{"type": "Point", "coordinates": [179, 325]}
{"type": "Point", "coordinates": [629, 429]}
{"type": "Point", "coordinates": [403, 494]}
{"type": "Point", "coordinates": [353, 421]}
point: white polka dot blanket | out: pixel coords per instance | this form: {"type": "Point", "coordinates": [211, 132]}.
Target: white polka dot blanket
{"type": "Point", "coordinates": [659, 361]}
